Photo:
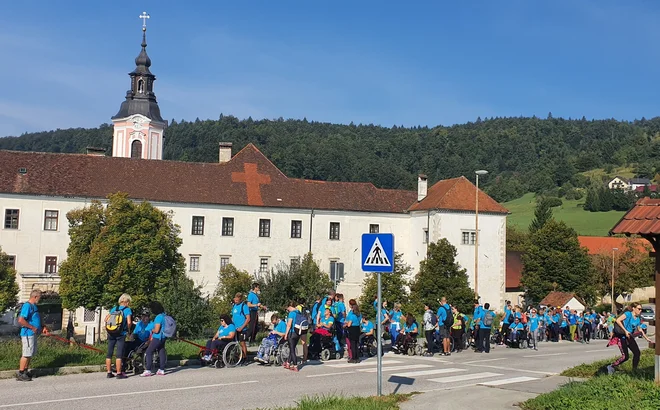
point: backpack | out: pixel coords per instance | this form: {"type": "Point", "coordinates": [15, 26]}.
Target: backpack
{"type": "Point", "coordinates": [114, 324]}
{"type": "Point", "coordinates": [17, 314]}
{"type": "Point", "coordinates": [434, 319]}
{"type": "Point", "coordinates": [489, 318]}
{"type": "Point", "coordinates": [169, 330]}
{"type": "Point", "coordinates": [300, 323]}
{"type": "Point", "coordinates": [449, 319]}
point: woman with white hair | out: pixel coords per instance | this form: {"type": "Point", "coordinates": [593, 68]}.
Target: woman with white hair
{"type": "Point", "coordinates": [117, 324]}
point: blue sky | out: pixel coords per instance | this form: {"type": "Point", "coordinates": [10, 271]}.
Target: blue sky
{"type": "Point", "coordinates": [406, 63]}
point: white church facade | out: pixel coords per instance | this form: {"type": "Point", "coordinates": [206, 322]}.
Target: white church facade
{"type": "Point", "coordinates": [241, 210]}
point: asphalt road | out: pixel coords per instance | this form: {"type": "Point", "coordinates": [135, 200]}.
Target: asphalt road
{"type": "Point", "coordinates": [255, 386]}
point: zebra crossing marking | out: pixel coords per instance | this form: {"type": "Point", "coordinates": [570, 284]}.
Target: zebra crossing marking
{"type": "Point", "coordinates": [520, 379]}
{"type": "Point", "coordinates": [464, 377]}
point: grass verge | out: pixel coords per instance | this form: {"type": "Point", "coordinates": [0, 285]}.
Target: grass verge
{"type": "Point", "coordinates": [390, 402]}
{"type": "Point", "coordinates": [623, 390]}
{"type": "Point", "coordinates": [52, 353]}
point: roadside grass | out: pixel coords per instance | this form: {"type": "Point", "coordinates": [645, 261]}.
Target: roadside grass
{"type": "Point", "coordinates": [584, 222]}
{"type": "Point", "coordinates": [390, 402]}
{"type": "Point", "coordinates": [52, 353]}
{"type": "Point", "coordinates": [623, 390]}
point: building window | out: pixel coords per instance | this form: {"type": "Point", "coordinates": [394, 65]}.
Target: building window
{"type": "Point", "coordinates": [50, 220]}
{"type": "Point", "coordinates": [334, 230]}
{"type": "Point", "coordinates": [194, 263]}
{"type": "Point", "coordinates": [295, 262]}
{"type": "Point", "coordinates": [425, 235]}
{"type": "Point", "coordinates": [136, 149]}
{"type": "Point", "coordinates": [51, 264]}
{"type": "Point", "coordinates": [11, 218]}
{"type": "Point", "coordinates": [198, 225]}
{"type": "Point", "coordinates": [11, 261]}
{"type": "Point", "coordinates": [374, 228]}
{"type": "Point", "coordinates": [224, 261]}
{"type": "Point", "coordinates": [468, 237]}
{"type": "Point", "coordinates": [89, 315]}
{"type": "Point", "coordinates": [263, 265]}
{"type": "Point", "coordinates": [227, 226]}
{"type": "Point", "coordinates": [264, 228]}
{"type": "Point", "coordinates": [296, 229]}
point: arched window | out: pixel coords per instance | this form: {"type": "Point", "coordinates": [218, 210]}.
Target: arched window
{"type": "Point", "coordinates": [136, 149]}
{"type": "Point", "coordinates": [141, 86]}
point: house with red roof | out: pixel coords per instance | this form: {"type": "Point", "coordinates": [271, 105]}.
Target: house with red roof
{"type": "Point", "coordinates": [241, 210]}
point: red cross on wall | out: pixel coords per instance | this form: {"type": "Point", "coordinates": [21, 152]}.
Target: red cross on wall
{"type": "Point", "coordinates": [253, 181]}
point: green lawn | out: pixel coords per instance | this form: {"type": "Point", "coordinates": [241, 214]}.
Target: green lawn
{"type": "Point", "coordinates": [584, 222]}
{"type": "Point", "coordinates": [624, 390]}
{"type": "Point", "coordinates": [390, 402]}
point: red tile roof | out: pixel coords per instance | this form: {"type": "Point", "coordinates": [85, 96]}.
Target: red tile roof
{"type": "Point", "coordinates": [560, 299]}
{"type": "Point", "coordinates": [457, 194]}
{"type": "Point", "coordinates": [514, 268]}
{"type": "Point", "coordinates": [604, 244]}
{"type": "Point", "coordinates": [249, 178]}
{"type": "Point", "coordinates": [652, 188]}
{"type": "Point", "coordinates": [642, 219]}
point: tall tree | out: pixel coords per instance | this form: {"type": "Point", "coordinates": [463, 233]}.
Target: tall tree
{"type": "Point", "coordinates": [230, 282]}
{"type": "Point", "coordinates": [8, 286]}
{"type": "Point", "coordinates": [542, 214]}
{"type": "Point", "coordinates": [554, 260]}
{"type": "Point", "coordinates": [394, 287]}
{"type": "Point", "coordinates": [440, 275]}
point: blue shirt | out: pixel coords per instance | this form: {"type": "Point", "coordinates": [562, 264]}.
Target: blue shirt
{"type": "Point", "coordinates": [410, 329]}
{"type": "Point", "coordinates": [630, 323]}
{"type": "Point", "coordinates": [127, 312]}
{"type": "Point", "coordinates": [280, 327]}
{"type": "Point", "coordinates": [516, 326]}
{"type": "Point", "coordinates": [507, 315]}
{"type": "Point", "coordinates": [395, 318]}
{"type": "Point", "coordinates": [533, 323]}
{"type": "Point", "coordinates": [315, 310]}
{"type": "Point", "coordinates": [254, 299]}
{"type": "Point", "coordinates": [442, 313]}
{"type": "Point", "coordinates": [30, 313]}
{"type": "Point", "coordinates": [142, 330]}
{"type": "Point", "coordinates": [328, 322]}
{"type": "Point", "coordinates": [292, 316]}
{"type": "Point", "coordinates": [563, 323]}
{"type": "Point", "coordinates": [572, 319]}
{"type": "Point", "coordinates": [556, 318]}
{"type": "Point", "coordinates": [340, 308]}
{"type": "Point", "coordinates": [353, 318]}
{"type": "Point", "coordinates": [580, 320]}
{"type": "Point", "coordinates": [367, 327]}
{"type": "Point", "coordinates": [224, 331]}
{"type": "Point", "coordinates": [476, 314]}
{"type": "Point", "coordinates": [239, 314]}
{"type": "Point", "coordinates": [485, 312]}
{"type": "Point", "coordinates": [160, 319]}
{"type": "Point", "coordinates": [383, 313]}
{"type": "Point", "coordinates": [376, 305]}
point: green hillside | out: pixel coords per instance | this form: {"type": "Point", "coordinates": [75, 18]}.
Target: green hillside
{"type": "Point", "coordinates": [571, 212]}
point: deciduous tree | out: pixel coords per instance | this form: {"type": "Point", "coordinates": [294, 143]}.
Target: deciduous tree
{"type": "Point", "coordinates": [8, 286]}
{"type": "Point", "coordinates": [394, 287]}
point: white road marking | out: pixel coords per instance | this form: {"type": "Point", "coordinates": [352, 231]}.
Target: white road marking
{"type": "Point", "coordinates": [391, 368]}
{"type": "Point", "coordinates": [546, 355]}
{"type": "Point", "coordinates": [428, 372]}
{"type": "Point", "coordinates": [599, 350]}
{"type": "Point", "coordinates": [365, 363]}
{"type": "Point", "coordinates": [484, 361]}
{"type": "Point", "coordinates": [509, 381]}
{"type": "Point", "coordinates": [329, 374]}
{"type": "Point", "coordinates": [510, 368]}
{"type": "Point", "coordinates": [116, 394]}
{"type": "Point", "coordinates": [464, 377]}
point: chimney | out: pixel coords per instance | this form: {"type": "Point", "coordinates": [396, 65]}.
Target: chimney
{"type": "Point", "coordinates": [99, 152]}
{"type": "Point", "coordinates": [224, 153]}
{"type": "Point", "coordinates": [422, 185]}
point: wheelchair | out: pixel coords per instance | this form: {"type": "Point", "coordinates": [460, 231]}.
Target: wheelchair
{"type": "Point", "coordinates": [407, 344]}
{"type": "Point", "coordinates": [368, 346]}
{"type": "Point", "coordinates": [230, 356]}
{"type": "Point", "coordinates": [135, 359]}
{"type": "Point", "coordinates": [324, 348]}
{"type": "Point", "coordinates": [278, 354]}
{"type": "Point", "coordinates": [522, 341]}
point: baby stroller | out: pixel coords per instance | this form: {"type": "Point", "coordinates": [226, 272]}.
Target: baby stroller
{"type": "Point", "coordinates": [324, 345]}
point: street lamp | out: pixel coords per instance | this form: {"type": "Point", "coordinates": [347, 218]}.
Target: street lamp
{"type": "Point", "coordinates": [476, 235]}
{"type": "Point", "coordinates": [613, 300]}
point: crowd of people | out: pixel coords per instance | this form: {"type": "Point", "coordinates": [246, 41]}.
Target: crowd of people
{"type": "Point", "coordinates": [332, 325]}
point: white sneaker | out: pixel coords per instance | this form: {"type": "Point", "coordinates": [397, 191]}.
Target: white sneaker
{"type": "Point", "coordinates": [146, 373]}
{"type": "Point", "coordinates": [610, 369]}
{"type": "Point", "coordinates": [160, 372]}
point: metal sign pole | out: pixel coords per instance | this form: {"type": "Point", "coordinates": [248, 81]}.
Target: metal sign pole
{"type": "Point", "coordinates": [379, 318]}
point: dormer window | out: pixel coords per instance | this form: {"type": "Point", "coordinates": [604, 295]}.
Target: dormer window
{"type": "Point", "coordinates": [141, 86]}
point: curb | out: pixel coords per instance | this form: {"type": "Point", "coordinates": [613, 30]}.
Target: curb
{"type": "Point", "coordinates": [10, 374]}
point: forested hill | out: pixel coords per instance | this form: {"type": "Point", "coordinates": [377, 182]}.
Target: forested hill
{"type": "Point", "coordinates": [521, 154]}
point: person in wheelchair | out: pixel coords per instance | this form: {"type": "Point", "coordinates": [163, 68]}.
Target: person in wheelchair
{"type": "Point", "coordinates": [407, 336]}
{"type": "Point", "coordinates": [516, 332]}
{"type": "Point", "coordinates": [225, 334]}
{"type": "Point", "coordinates": [138, 341]}
{"type": "Point", "coordinates": [367, 336]}
{"type": "Point", "coordinates": [270, 342]}
{"type": "Point", "coordinates": [323, 336]}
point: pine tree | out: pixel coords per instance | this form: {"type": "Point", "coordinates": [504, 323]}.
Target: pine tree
{"type": "Point", "coordinates": [542, 214]}
{"type": "Point", "coordinates": [440, 275]}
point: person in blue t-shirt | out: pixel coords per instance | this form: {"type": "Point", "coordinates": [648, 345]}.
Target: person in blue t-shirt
{"type": "Point", "coordinates": [507, 320]}
{"type": "Point", "coordinates": [157, 343]}
{"type": "Point", "coordinates": [140, 334]}
{"type": "Point", "coordinates": [279, 328]}
{"type": "Point", "coordinates": [340, 318]}
{"type": "Point", "coordinates": [292, 336]}
{"type": "Point", "coordinates": [483, 342]}
{"type": "Point", "coordinates": [395, 322]}
{"type": "Point", "coordinates": [556, 325]}
{"type": "Point", "coordinates": [315, 313]}
{"type": "Point", "coordinates": [627, 327]}
{"type": "Point", "coordinates": [352, 325]}
{"type": "Point", "coordinates": [240, 317]}
{"type": "Point", "coordinates": [254, 305]}
{"type": "Point", "coordinates": [534, 322]}
{"type": "Point", "coordinates": [515, 330]}
{"type": "Point", "coordinates": [444, 312]}
{"type": "Point", "coordinates": [119, 340]}
{"type": "Point", "coordinates": [572, 324]}
{"type": "Point", "coordinates": [31, 326]}
{"type": "Point", "coordinates": [226, 333]}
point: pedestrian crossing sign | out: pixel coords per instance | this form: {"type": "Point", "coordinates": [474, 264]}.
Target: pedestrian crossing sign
{"type": "Point", "coordinates": [378, 252]}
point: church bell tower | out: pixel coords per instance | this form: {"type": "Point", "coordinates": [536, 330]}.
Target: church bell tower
{"type": "Point", "coordinates": [138, 126]}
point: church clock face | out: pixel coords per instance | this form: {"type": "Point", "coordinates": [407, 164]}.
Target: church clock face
{"type": "Point", "coordinates": [137, 123]}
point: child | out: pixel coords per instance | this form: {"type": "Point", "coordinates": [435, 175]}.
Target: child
{"type": "Point", "coordinates": [279, 328]}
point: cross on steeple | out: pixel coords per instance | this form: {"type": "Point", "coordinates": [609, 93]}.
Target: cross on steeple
{"type": "Point", "coordinates": [144, 16]}
{"type": "Point", "coordinates": [253, 181]}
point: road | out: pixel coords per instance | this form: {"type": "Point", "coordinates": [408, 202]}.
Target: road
{"type": "Point", "coordinates": [255, 386]}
